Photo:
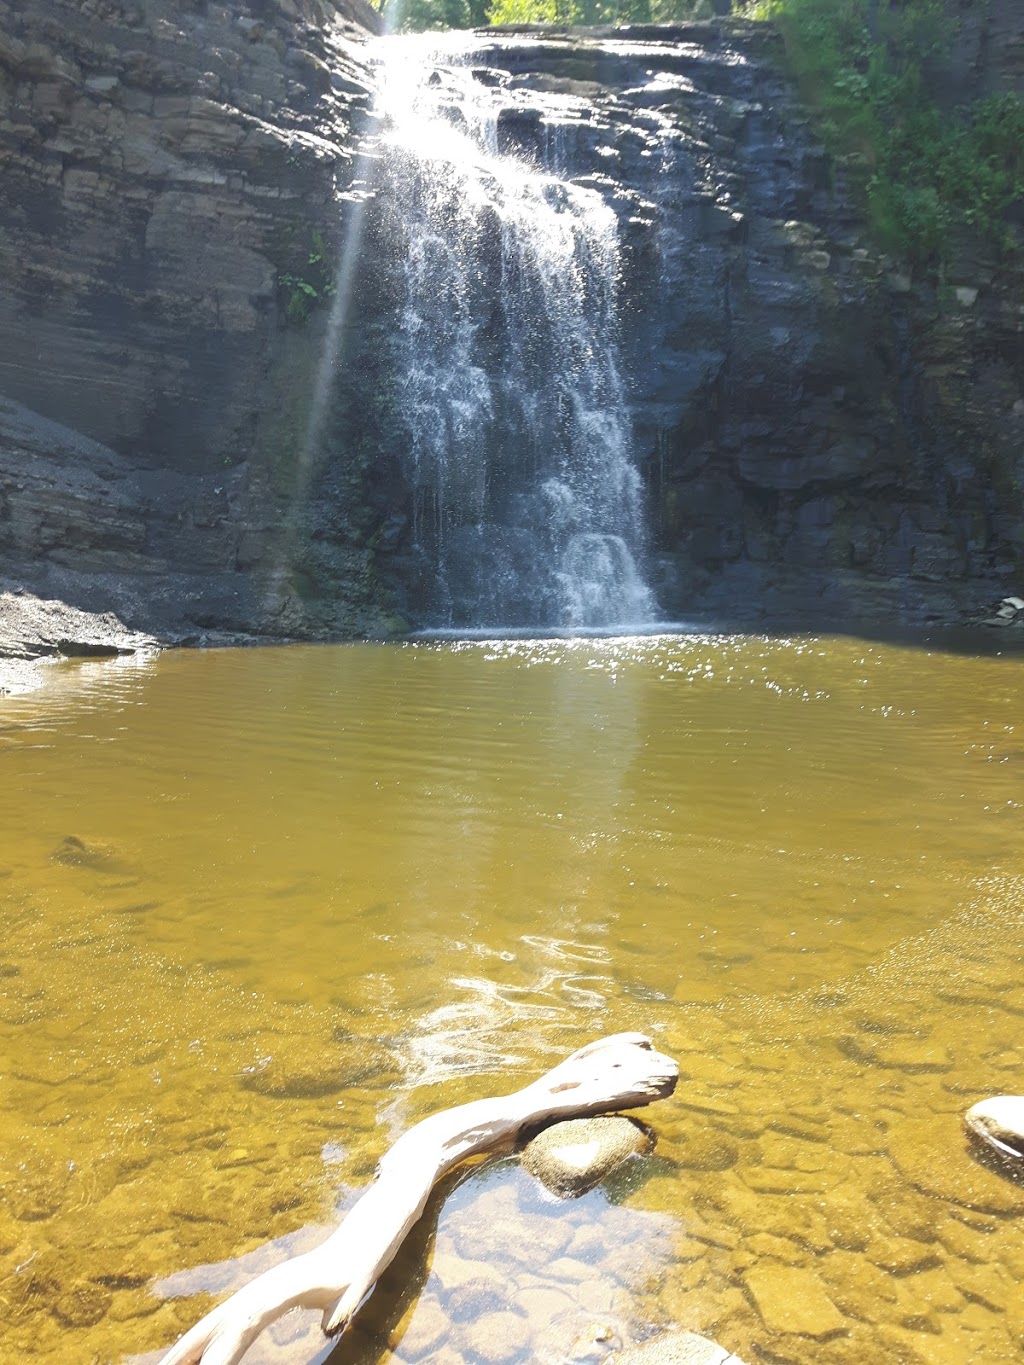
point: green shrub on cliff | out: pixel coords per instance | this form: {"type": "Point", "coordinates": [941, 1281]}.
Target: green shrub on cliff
{"type": "Point", "coordinates": [870, 69]}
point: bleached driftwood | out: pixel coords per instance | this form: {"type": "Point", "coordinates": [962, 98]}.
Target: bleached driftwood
{"type": "Point", "coordinates": [620, 1072]}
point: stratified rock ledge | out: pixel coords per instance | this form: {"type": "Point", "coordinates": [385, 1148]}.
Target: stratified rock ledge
{"type": "Point", "coordinates": [33, 631]}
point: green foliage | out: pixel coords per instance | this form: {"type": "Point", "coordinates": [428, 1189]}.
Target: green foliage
{"type": "Point", "coordinates": [316, 283]}
{"type": "Point", "coordinates": [673, 11]}
{"type": "Point", "coordinates": [869, 67]}
{"type": "Point", "coordinates": [420, 16]}
{"type": "Point", "coordinates": [587, 11]}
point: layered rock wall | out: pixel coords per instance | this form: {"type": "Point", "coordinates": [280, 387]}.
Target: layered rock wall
{"type": "Point", "coordinates": [168, 170]}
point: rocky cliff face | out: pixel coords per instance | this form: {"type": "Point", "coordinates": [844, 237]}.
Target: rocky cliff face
{"type": "Point", "coordinates": [166, 165]}
{"type": "Point", "coordinates": [988, 50]}
{"type": "Point", "coordinates": [821, 439]}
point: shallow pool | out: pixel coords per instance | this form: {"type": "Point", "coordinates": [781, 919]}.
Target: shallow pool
{"type": "Point", "coordinates": [263, 909]}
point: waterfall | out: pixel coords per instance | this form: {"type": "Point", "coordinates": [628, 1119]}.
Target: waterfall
{"type": "Point", "coordinates": [510, 393]}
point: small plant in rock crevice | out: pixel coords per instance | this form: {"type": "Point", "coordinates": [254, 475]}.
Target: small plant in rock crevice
{"type": "Point", "coordinates": [303, 292]}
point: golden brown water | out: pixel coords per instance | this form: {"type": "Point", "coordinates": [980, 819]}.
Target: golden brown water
{"type": "Point", "coordinates": [262, 910]}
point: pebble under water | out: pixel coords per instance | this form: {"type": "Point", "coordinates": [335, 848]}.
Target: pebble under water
{"type": "Point", "coordinates": [262, 910]}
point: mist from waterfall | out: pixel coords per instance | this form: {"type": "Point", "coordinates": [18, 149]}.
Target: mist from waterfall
{"type": "Point", "coordinates": [527, 502]}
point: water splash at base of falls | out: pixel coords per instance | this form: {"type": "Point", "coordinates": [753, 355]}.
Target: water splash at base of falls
{"type": "Point", "coordinates": [526, 498]}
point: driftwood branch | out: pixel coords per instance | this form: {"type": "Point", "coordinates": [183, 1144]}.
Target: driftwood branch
{"type": "Point", "coordinates": [620, 1072]}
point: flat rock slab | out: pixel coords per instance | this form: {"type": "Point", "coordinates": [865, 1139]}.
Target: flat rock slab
{"type": "Point", "coordinates": [790, 1299]}
{"type": "Point", "coordinates": [999, 1121]}
{"type": "Point", "coordinates": [31, 628]}
{"type": "Point", "coordinates": [571, 1158]}
{"type": "Point", "coordinates": [679, 1348]}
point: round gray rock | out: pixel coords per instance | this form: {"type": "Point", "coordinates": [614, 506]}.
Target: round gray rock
{"type": "Point", "coordinates": [572, 1157]}
{"type": "Point", "coordinates": [999, 1121]}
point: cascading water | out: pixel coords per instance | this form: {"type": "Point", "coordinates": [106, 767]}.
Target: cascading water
{"type": "Point", "coordinates": [511, 394]}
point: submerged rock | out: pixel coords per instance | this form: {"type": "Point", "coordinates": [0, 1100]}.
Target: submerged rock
{"type": "Point", "coordinates": [75, 852]}
{"type": "Point", "coordinates": [427, 1330]}
{"type": "Point", "coordinates": [790, 1299]}
{"type": "Point", "coordinates": [999, 1121]}
{"type": "Point", "coordinates": [496, 1338]}
{"type": "Point", "coordinates": [678, 1348]}
{"type": "Point", "coordinates": [82, 1304]}
{"type": "Point", "coordinates": [571, 1158]}
{"type": "Point", "coordinates": [309, 1069]}
{"type": "Point", "coordinates": [928, 1153]}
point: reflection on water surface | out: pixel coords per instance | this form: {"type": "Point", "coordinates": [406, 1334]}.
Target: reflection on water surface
{"type": "Point", "coordinates": [262, 910]}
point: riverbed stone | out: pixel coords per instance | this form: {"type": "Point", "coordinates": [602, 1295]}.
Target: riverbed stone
{"type": "Point", "coordinates": [987, 1285]}
{"type": "Point", "coordinates": [540, 1303]}
{"type": "Point", "coordinates": [496, 1338]}
{"type": "Point", "coordinates": [707, 1150]}
{"type": "Point", "coordinates": [999, 1121]}
{"type": "Point", "coordinates": [426, 1332]}
{"type": "Point", "coordinates": [793, 1300]}
{"type": "Point", "coordinates": [593, 1343]}
{"type": "Point", "coordinates": [98, 856]}
{"type": "Point", "coordinates": [478, 1296]}
{"type": "Point", "coordinates": [931, 1154]}
{"type": "Point", "coordinates": [571, 1158]}
{"type": "Point", "coordinates": [82, 1304]}
{"type": "Point", "coordinates": [568, 1269]}
{"type": "Point", "coordinates": [901, 1255]}
{"type": "Point", "coordinates": [677, 1348]}
{"type": "Point", "coordinates": [858, 1288]}
{"type": "Point", "coordinates": [914, 1056]}
{"type": "Point", "coordinates": [305, 1068]}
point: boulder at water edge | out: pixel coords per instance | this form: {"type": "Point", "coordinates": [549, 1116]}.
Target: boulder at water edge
{"type": "Point", "coordinates": [572, 1157]}
{"type": "Point", "coordinates": [999, 1121]}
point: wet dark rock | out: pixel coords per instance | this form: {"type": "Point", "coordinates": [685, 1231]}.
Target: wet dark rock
{"type": "Point", "coordinates": [572, 1157]}
{"type": "Point", "coordinates": [75, 852]}
{"type": "Point", "coordinates": [793, 411]}
{"type": "Point", "coordinates": [164, 168]}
